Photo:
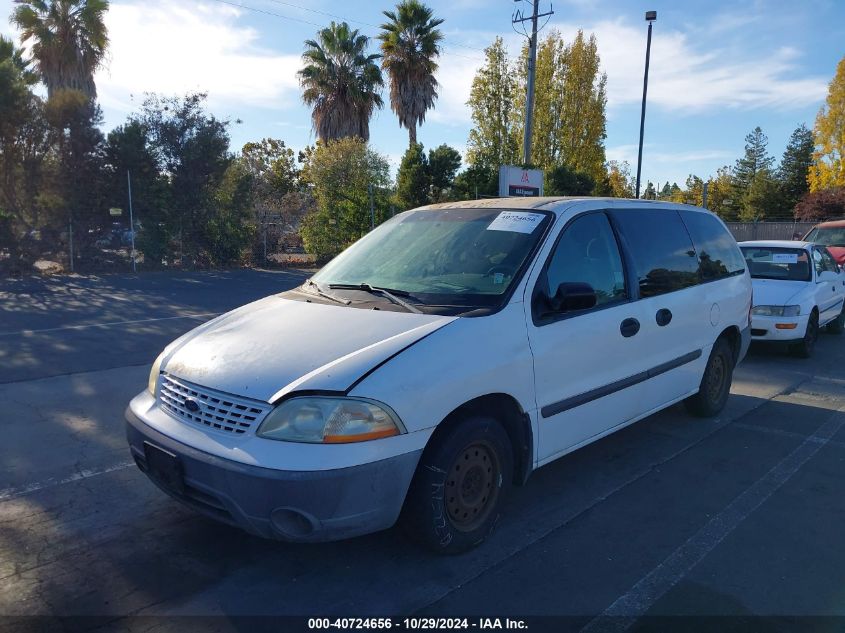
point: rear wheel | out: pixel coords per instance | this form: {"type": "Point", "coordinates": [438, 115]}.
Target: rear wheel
{"type": "Point", "coordinates": [457, 492]}
{"type": "Point", "coordinates": [715, 384]}
{"type": "Point", "coordinates": [804, 348]}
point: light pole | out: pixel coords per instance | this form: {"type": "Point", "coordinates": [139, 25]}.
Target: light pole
{"type": "Point", "coordinates": [650, 17]}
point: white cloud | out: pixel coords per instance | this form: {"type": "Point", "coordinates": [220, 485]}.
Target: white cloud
{"type": "Point", "coordinates": [693, 77]}
{"type": "Point", "coordinates": [455, 76]}
{"type": "Point", "coordinates": [629, 153]}
{"type": "Point", "coordinates": [167, 47]}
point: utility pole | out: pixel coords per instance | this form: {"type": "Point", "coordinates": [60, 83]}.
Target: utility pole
{"type": "Point", "coordinates": [131, 220]}
{"type": "Point", "coordinates": [518, 18]}
{"type": "Point", "coordinates": [372, 208]}
{"type": "Point", "coordinates": [650, 17]}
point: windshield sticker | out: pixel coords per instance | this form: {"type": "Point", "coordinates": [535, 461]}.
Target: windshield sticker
{"type": "Point", "coordinates": [784, 258]}
{"type": "Point", "coordinates": [516, 222]}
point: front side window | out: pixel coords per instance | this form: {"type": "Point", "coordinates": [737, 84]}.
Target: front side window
{"type": "Point", "coordinates": [829, 261]}
{"type": "Point", "coordinates": [465, 257]}
{"type": "Point", "coordinates": [660, 246]}
{"type": "Point", "coordinates": [718, 253]}
{"type": "Point", "coordinates": [587, 253]}
{"type": "Point", "coordinates": [791, 264]}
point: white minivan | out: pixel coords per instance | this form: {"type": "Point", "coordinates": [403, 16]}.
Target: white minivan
{"type": "Point", "coordinates": [441, 359]}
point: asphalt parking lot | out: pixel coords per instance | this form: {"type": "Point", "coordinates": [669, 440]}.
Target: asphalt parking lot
{"type": "Point", "coordinates": [738, 516]}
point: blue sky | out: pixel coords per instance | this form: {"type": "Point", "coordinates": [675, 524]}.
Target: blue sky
{"type": "Point", "coordinates": [717, 69]}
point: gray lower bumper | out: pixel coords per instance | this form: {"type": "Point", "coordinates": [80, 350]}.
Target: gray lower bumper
{"type": "Point", "coordinates": [308, 506]}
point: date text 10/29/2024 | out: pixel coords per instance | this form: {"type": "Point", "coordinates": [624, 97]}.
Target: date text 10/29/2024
{"type": "Point", "coordinates": [416, 624]}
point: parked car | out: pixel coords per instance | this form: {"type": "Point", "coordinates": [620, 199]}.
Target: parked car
{"type": "Point", "coordinates": [441, 359]}
{"type": "Point", "coordinates": [832, 235]}
{"type": "Point", "coordinates": [798, 288]}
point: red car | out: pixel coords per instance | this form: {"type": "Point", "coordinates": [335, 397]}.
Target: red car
{"type": "Point", "coordinates": [832, 235]}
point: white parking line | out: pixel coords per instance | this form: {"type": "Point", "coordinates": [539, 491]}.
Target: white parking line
{"type": "Point", "coordinates": [109, 324]}
{"type": "Point", "coordinates": [13, 493]}
{"type": "Point", "coordinates": [625, 610]}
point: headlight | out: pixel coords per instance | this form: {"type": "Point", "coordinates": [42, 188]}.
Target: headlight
{"type": "Point", "coordinates": [154, 372]}
{"type": "Point", "coordinates": [325, 420]}
{"type": "Point", "coordinates": [776, 311]}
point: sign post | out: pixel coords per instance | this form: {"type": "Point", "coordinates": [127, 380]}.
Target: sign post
{"type": "Point", "coordinates": [519, 182]}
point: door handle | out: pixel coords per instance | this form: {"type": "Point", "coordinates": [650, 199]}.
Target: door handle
{"type": "Point", "coordinates": [629, 327]}
{"type": "Point", "coordinates": [663, 317]}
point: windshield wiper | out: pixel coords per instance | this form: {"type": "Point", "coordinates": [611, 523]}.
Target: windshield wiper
{"type": "Point", "coordinates": [345, 302]}
{"type": "Point", "coordinates": [374, 290]}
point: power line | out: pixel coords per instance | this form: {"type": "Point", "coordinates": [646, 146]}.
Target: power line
{"type": "Point", "coordinates": [240, 5]}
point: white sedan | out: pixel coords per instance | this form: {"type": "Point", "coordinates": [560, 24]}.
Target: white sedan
{"type": "Point", "coordinates": [798, 289]}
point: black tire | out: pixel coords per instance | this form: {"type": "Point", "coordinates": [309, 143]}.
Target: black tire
{"type": "Point", "coordinates": [837, 326]}
{"type": "Point", "coordinates": [804, 348]}
{"type": "Point", "coordinates": [715, 384]}
{"type": "Point", "coordinates": [454, 523]}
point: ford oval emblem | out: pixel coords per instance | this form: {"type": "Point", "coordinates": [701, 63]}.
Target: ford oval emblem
{"type": "Point", "coordinates": [192, 406]}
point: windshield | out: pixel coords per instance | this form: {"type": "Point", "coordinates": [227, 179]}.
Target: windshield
{"type": "Point", "coordinates": [834, 236]}
{"type": "Point", "coordinates": [791, 264]}
{"type": "Point", "coordinates": [444, 256]}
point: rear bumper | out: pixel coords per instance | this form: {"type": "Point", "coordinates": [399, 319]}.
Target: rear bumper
{"type": "Point", "coordinates": [295, 506]}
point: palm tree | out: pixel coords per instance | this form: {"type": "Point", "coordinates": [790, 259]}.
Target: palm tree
{"type": "Point", "coordinates": [341, 82]}
{"type": "Point", "coordinates": [68, 39]}
{"type": "Point", "coordinates": [410, 44]}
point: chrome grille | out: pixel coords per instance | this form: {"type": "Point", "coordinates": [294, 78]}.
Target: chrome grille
{"type": "Point", "coordinates": [220, 411]}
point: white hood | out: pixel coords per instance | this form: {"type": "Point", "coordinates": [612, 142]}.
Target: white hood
{"type": "Point", "coordinates": [775, 292]}
{"type": "Point", "coordinates": [273, 346]}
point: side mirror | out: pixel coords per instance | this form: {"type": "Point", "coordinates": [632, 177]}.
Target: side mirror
{"type": "Point", "coordinates": [572, 296]}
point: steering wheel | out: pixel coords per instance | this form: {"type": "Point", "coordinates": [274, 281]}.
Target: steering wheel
{"type": "Point", "coordinates": [507, 271]}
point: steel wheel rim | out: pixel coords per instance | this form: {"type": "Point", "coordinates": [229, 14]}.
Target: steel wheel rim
{"type": "Point", "coordinates": [716, 378]}
{"type": "Point", "coordinates": [472, 486]}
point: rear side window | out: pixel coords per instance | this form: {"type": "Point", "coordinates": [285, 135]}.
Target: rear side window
{"type": "Point", "coordinates": [660, 246]}
{"type": "Point", "coordinates": [718, 253]}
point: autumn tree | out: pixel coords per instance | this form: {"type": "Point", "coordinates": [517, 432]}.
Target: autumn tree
{"type": "Point", "coordinates": [828, 169]}
{"type": "Point", "coordinates": [618, 182]}
{"type": "Point", "coordinates": [493, 139]}
{"type": "Point", "coordinates": [823, 204]}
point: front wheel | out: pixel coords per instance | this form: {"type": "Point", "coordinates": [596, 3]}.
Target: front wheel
{"type": "Point", "coordinates": [715, 384]}
{"type": "Point", "coordinates": [804, 348]}
{"type": "Point", "coordinates": [461, 481]}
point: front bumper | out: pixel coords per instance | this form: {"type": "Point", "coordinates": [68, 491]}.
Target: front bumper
{"type": "Point", "coordinates": [763, 328]}
{"type": "Point", "coordinates": [298, 506]}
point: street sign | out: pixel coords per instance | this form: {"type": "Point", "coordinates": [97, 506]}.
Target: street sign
{"type": "Point", "coordinates": [115, 211]}
{"type": "Point", "coordinates": [516, 181]}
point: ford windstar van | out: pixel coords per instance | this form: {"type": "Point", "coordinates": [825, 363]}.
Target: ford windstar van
{"type": "Point", "coordinates": [441, 359]}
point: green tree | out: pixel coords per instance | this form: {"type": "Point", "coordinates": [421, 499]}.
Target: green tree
{"type": "Point", "coordinates": [564, 181]}
{"type": "Point", "coordinates": [15, 56]}
{"type": "Point", "coordinates": [828, 169]}
{"type": "Point", "coordinates": [410, 44]}
{"type": "Point", "coordinates": [191, 147]}
{"type": "Point", "coordinates": [755, 159]}
{"type": "Point", "coordinates": [413, 179]}
{"type": "Point", "coordinates": [476, 181]}
{"type": "Point", "coordinates": [340, 174]}
{"type": "Point", "coordinates": [128, 151]}
{"type": "Point", "coordinates": [443, 164]}
{"type": "Point", "coordinates": [231, 226]}
{"type": "Point", "coordinates": [340, 82]}
{"type": "Point", "coordinates": [762, 199]}
{"type": "Point", "coordinates": [492, 140]}
{"type": "Point", "coordinates": [795, 165]}
{"type": "Point", "coordinates": [650, 193]}
{"type": "Point", "coordinates": [68, 39]}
